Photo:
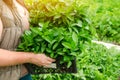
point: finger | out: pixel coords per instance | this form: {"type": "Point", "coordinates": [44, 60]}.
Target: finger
{"type": "Point", "coordinates": [50, 59]}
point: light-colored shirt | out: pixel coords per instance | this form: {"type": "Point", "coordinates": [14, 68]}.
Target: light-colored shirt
{"type": "Point", "coordinates": [14, 22]}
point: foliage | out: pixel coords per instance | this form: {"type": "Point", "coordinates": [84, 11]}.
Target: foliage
{"type": "Point", "coordinates": [99, 18]}
{"type": "Point", "coordinates": [60, 13]}
{"type": "Point", "coordinates": [57, 12]}
{"type": "Point", "coordinates": [95, 63]}
{"type": "Point", "coordinates": [53, 42]}
{"type": "Point", "coordinates": [62, 30]}
{"type": "Point", "coordinates": [104, 15]}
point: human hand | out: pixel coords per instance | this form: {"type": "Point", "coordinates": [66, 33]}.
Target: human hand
{"type": "Point", "coordinates": [41, 60]}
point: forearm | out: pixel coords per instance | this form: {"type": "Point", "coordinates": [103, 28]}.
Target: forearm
{"type": "Point", "coordinates": [9, 58]}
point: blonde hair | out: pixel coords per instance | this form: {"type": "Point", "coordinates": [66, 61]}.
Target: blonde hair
{"type": "Point", "coordinates": [10, 3]}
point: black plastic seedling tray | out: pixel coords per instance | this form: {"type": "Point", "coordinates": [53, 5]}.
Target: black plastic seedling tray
{"type": "Point", "coordinates": [56, 67]}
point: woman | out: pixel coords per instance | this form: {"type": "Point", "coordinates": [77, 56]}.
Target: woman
{"type": "Point", "coordinates": [13, 22]}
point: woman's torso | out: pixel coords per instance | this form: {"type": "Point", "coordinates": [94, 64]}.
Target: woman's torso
{"type": "Point", "coordinates": [15, 21]}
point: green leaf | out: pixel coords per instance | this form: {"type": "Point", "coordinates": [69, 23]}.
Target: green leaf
{"type": "Point", "coordinates": [27, 32]}
{"type": "Point", "coordinates": [60, 38]}
{"type": "Point", "coordinates": [66, 45]}
{"type": "Point", "coordinates": [66, 58]}
{"type": "Point", "coordinates": [75, 29]}
{"type": "Point", "coordinates": [37, 49]}
{"type": "Point", "coordinates": [36, 30]}
{"type": "Point", "coordinates": [55, 46]}
{"type": "Point", "coordinates": [47, 38]}
{"type": "Point", "coordinates": [69, 64]}
{"type": "Point", "coordinates": [73, 53]}
{"type": "Point", "coordinates": [57, 16]}
{"type": "Point", "coordinates": [45, 25]}
{"type": "Point", "coordinates": [70, 29]}
{"type": "Point", "coordinates": [43, 47]}
{"type": "Point", "coordinates": [60, 53]}
{"type": "Point", "coordinates": [52, 55]}
{"type": "Point", "coordinates": [53, 41]}
{"type": "Point", "coordinates": [99, 75]}
{"type": "Point", "coordinates": [75, 38]}
{"type": "Point", "coordinates": [48, 50]}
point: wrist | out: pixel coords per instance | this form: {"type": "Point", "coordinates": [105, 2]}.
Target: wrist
{"type": "Point", "coordinates": [29, 57]}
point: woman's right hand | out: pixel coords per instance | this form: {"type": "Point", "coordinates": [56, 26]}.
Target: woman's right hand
{"type": "Point", "coordinates": [41, 60]}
